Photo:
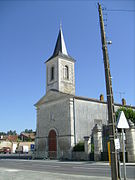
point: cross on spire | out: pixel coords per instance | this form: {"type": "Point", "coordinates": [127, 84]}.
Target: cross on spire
{"type": "Point", "coordinates": [60, 25]}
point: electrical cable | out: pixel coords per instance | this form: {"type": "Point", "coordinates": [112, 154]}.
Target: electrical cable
{"type": "Point", "coordinates": [121, 10]}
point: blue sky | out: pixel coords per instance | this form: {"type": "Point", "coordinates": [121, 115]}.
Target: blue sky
{"type": "Point", "coordinates": [28, 33]}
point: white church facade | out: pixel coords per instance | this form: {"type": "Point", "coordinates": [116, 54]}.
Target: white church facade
{"type": "Point", "coordinates": [64, 119]}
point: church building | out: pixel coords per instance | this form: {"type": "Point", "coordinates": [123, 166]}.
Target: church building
{"type": "Point", "coordinates": [63, 119]}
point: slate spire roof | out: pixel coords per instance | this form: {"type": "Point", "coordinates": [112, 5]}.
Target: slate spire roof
{"type": "Point", "coordinates": [60, 47]}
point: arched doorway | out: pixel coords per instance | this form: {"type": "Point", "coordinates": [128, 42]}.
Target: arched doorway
{"type": "Point", "coordinates": [52, 144]}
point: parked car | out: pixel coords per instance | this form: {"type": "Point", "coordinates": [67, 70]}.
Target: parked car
{"type": "Point", "coordinates": [5, 150]}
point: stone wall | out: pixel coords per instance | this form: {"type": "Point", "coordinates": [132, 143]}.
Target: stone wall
{"type": "Point", "coordinates": [52, 84]}
{"type": "Point", "coordinates": [97, 136]}
{"type": "Point", "coordinates": [59, 82]}
{"type": "Point", "coordinates": [130, 142]}
{"type": "Point", "coordinates": [66, 85]}
{"type": "Point", "coordinates": [87, 114]}
{"type": "Point", "coordinates": [54, 115]}
{"type": "Point", "coordinates": [79, 156]}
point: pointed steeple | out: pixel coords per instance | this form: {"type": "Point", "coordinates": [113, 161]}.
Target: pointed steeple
{"type": "Point", "coordinates": [60, 74]}
{"type": "Point", "coordinates": [60, 47]}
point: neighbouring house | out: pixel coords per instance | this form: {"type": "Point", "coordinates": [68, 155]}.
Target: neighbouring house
{"type": "Point", "coordinates": [13, 142]}
{"type": "Point", "coordinates": [8, 141]}
{"type": "Point", "coordinates": [3, 137]}
{"type": "Point", "coordinates": [12, 138]}
{"type": "Point", "coordinates": [4, 142]}
{"type": "Point", "coordinates": [27, 136]}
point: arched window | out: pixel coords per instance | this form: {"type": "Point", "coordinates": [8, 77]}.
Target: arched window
{"type": "Point", "coordinates": [52, 73]}
{"type": "Point", "coordinates": [66, 73]}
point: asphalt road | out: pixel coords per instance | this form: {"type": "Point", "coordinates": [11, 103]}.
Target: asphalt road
{"type": "Point", "coordinates": [61, 170]}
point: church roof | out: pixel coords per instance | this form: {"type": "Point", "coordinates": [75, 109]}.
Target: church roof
{"type": "Point", "coordinates": [103, 102]}
{"type": "Point", "coordinates": [60, 48]}
{"type": "Point", "coordinates": [60, 45]}
{"type": "Point", "coordinates": [55, 95]}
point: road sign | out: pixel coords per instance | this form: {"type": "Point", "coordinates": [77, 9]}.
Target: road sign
{"type": "Point", "coordinates": [122, 121]}
{"type": "Point", "coordinates": [117, 143]}
{"type": "Point", "coordinates": [123, 124]}
{"type": "Point", "coordinates": [32, 146]}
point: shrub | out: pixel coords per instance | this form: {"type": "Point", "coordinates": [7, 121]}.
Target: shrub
{"type": "Point", "coordinates": [92, 148]}
{"type": "Point", "coordinates": [129, 113]}
{"type": "Point", "coordinates": [79, 147]}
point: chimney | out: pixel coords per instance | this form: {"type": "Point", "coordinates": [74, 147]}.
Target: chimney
{"type": "Point", "coordinates": [123, 102]}
{"type": "Point", "coordinates": [101, 97]}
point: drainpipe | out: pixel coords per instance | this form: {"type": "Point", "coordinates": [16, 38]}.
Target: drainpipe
{"type": "Point", "coordinates": [74, 120]}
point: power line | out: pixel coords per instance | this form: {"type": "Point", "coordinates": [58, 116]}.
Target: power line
{"type": "Point", "coordinates": [121, 10]}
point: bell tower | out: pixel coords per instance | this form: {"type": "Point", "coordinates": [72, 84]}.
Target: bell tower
{"type": "Point", "coordinates": [60, 72]}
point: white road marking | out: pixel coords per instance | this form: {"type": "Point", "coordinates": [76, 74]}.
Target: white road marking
{"type": "Point", "coordinates": [12, 170]}
{"type": "Point", "coordinates": [44, 165]}
{"type": "Point", "coordinates": [9, 170]}
{"type": "Point", "coordinates": [79, 167]}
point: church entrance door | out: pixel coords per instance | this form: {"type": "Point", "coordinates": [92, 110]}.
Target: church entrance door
{"type": "Point", "coordinates": [52, 143]}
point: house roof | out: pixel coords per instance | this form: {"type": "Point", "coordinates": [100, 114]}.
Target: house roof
{"type": "Point", "coordinates": [12, 138]}
{"type": "Point", "coordinates": [28, 135]}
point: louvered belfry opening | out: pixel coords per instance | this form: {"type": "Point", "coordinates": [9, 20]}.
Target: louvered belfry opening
{"type": "Point", "coordinates": [52, 144]}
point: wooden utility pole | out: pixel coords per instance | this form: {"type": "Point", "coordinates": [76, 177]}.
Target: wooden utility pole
{"type": "Point", "coordinates": [110, 101]}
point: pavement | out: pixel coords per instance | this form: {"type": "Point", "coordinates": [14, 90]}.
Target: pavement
{"type": "Point", "coordinates": [15, 173]}
{"type": "Point", "coordinates": [102, 163]}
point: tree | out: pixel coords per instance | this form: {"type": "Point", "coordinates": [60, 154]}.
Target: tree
{"type": "Point", "coordinates": [11, 132]}
{"type": "Point", "coordinates": [2, 133]}
{"type": "Point", "coordinates": [129, 113]}
{"type": "Point", "coordinates": [28, 131]}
